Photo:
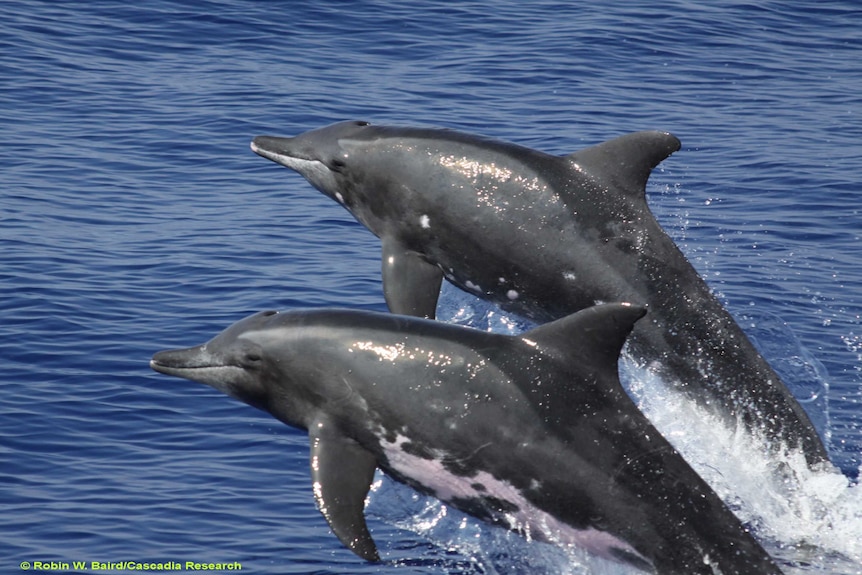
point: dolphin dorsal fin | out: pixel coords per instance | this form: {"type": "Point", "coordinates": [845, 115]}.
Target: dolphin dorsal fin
{"type": "Point", "coordinates": [627, 161]}
{"type": "Point", "coordinates": [341, 472]}
{"type": "Point", "coordinates": [595, 335]}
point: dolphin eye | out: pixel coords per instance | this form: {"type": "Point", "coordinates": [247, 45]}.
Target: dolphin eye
{"type": "Point", "coordinates": [252, 359]}
{"type": "Point", "coordinates": [337, 165]}
{"type": "Point", "coordinates": [361, 123]}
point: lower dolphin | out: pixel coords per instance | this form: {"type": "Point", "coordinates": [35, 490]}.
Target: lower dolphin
{"type": "Point", "coordinates": [534, 433]}
{"type": "Point", "coordinates": [545, 236]}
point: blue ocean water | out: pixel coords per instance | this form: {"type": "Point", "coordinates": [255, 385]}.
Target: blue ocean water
{"type": "Point", "coordinates": [134, 217]}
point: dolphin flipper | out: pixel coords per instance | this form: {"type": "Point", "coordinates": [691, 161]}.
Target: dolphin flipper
{"type": "Point", "coordinates": [411, 284]}
{"type": "Point", "coordinates": [341, 474]}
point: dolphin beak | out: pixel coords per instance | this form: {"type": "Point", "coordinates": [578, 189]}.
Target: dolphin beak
{"type": "Point", "coordinates": [198, 364]}
{"type": "Point", "coordinates": [272, 148]}
{"type": "Point", "coordinates": [286, 152]}
{"type": "Point", "coordinates": [181, 361]}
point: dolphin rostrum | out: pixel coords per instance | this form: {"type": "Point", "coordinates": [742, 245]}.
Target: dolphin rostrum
{"type": "Point", "coordinates": [545, 236]}
{"type": "Point", "coordinates": [533, 432]}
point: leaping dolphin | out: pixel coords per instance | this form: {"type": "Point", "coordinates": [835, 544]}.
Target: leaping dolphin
{"type": "Point", "coordinates": [531, 432]}
{"type": "Point", "coordinates": [545, 236]}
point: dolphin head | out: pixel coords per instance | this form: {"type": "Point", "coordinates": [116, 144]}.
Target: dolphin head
{"type": "Point", "coordinates": [239, 363]}
{"type": "Point", "coordinates": [319, 156]}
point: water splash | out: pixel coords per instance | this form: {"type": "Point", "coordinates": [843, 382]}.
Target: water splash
{"type": "Point", "coordinates": [797, 366]}
{"type": "Point", "coordinates": [458, 307]}
{"type": "Point", "coordinates": [810, 520]}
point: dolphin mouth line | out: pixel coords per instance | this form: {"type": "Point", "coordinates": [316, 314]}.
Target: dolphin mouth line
{"type": "Point", "coordinates": [170, 369]}
{"type": "Point", "coordinates": [155, 363]}
{"type": "Point", "coordinates": [221, 377]}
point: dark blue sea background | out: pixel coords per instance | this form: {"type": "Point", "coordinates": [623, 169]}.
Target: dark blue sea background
{"type": "Point", "coordinates": [135, 218]}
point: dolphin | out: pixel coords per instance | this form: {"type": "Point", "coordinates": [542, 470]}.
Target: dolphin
{"type": "Point", "coordinates": [544, 236]}
{"type": "Point", "coordinates": [532, 432]}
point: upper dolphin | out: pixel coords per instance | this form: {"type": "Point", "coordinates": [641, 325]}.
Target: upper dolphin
{"type": "Point", "coordinates": [531, 432]}
{"type": "Point", "coordinates": [544, 236]}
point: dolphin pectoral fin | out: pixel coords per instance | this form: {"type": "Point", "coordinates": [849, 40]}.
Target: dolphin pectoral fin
{"type": "Point", "coordinates": [627, 161]}
{"type": "Point", "coordinates": [411, 284]}
{"type": "Point", "coordinates": [341, 474]}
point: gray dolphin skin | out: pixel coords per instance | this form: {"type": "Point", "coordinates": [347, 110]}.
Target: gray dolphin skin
{"type": "Point", "coordinates": [534, 432]}
{"type": "Point", "coordinates": [544, 236]}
